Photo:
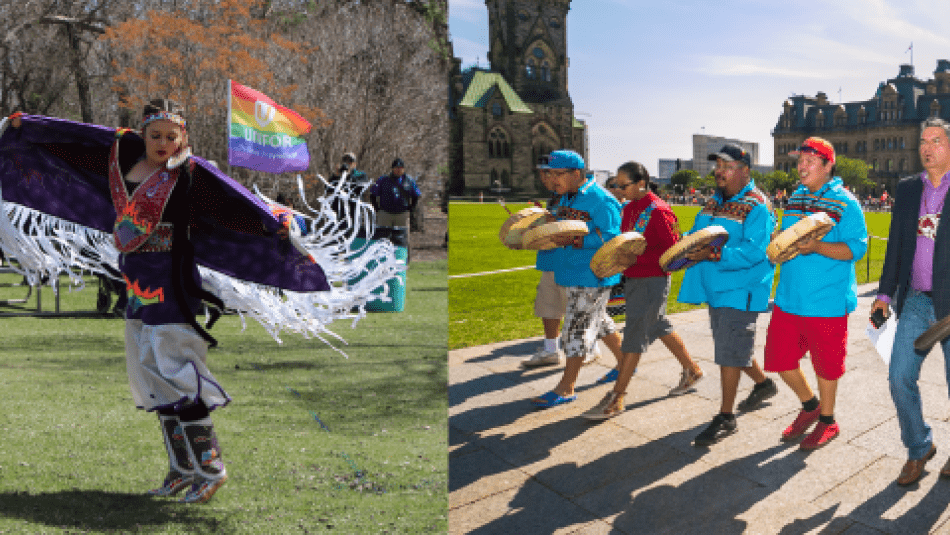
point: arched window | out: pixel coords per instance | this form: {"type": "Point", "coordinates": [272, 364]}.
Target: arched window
{"type": "Point", "coordinates": [901, 164]}
{"type": "Point", "coordinates": [496, 109]}
{"type": "Point", "coordinates": [498, 145]}
{"type": "Point", "coordinates": [545, 71]}
{"type": "Point", "coordinates": [505, 178]}
{"type": "Point", "coordinates": [494, 177]}
{"type": "Point", "coordinates": [530, 69]}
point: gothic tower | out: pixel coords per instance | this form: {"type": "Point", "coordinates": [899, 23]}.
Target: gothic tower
{"type": "Point", "coordinates": [505, 117]}
{"type": "Point", "coordinates": [528, 46]}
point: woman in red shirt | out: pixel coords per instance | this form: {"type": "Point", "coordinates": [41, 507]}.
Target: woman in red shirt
{"type": "Point", "coordinates": [647, 285]}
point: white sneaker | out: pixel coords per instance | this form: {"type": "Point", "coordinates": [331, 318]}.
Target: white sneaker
{"type": "Point", "coordinates": [542, 358]}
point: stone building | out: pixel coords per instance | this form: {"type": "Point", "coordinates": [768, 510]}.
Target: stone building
{"type": "Point", "coordinates": [884, 130]}
{"type": "Point", "coordinates": [505, 117]}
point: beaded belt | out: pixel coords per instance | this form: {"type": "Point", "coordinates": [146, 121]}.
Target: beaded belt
{"type": "Point", "coordinates": [160, 241]}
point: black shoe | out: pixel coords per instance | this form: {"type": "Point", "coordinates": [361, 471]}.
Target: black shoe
{"type": "Point", "coordinates": [719, 428]}
{"type": "Point", "coordinates": [757, 396]}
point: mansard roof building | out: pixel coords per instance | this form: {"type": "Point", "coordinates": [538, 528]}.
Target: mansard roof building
{"type": "Point", "coordinates": [505, 117]}
{"type": "Point", "coordinates": [883, 131]}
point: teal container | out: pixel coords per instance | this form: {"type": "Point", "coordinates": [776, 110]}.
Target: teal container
{"type": "Point", "coordinates": [395, 285]}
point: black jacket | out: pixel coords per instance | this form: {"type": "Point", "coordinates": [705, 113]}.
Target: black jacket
{"type": "Point", "coordinates": [902, 242]}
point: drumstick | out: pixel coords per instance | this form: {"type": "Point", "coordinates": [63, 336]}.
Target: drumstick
{"type": "Point", "coordinates": [937, 332]}
{"type": "Point", "coordinates": [502, 203]}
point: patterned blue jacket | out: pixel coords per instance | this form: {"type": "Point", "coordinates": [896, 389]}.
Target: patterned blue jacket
{"type": "Point", "coordinates": [601, 211]}
{"type": "Point", "coordinates": [815, 285]}
{"type": "Point", "coordinates": [742, 278]}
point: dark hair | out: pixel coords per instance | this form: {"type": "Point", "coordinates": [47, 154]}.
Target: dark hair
{"type": "Point", "coordinates": [636, 171]}
{"type": "Point", "coordinates": [162, 104]}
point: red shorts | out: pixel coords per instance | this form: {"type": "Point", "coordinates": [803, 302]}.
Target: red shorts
{"type": "Point", "coordinates": [789, 336]}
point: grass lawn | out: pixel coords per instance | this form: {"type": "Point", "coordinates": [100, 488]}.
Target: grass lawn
{"type": "Point", "coordinates": [496, 307]}
{"type": "Point", "coordinates": [312, 441]}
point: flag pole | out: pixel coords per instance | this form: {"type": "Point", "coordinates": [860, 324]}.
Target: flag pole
{"type": "Point", "coordinates": [227, 129]}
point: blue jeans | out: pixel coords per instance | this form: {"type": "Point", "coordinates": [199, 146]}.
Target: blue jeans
{"type": "Point", "coordinates": [916, 317]}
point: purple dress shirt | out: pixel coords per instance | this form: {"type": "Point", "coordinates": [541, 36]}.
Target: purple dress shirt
{"type": "Point", "coordinates": [931, 204]}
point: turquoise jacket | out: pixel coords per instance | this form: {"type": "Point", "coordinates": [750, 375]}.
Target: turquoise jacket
{"type": "Point", "coordinates": [601, 211]}
{"type": "Point", "coordinates": [815, 285]}
{"type": "Point", "coordinates": [742, 279]}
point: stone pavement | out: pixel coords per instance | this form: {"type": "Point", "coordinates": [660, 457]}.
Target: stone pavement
{"type": "Point", "coordinates": [517, 469]}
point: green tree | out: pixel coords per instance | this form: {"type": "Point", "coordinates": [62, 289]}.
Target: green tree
{"type": "Point", "coordinates": [853, 172]}
{"type": "Point", "coordinates": [683, 178]}
{"type": "Point", "coordinates": [780, 180]}
{"type": "Point", "coordinates": [705, 183]}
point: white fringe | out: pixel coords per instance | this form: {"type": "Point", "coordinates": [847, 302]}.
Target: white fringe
{"type": "Point", "coordinates": [46, 247]}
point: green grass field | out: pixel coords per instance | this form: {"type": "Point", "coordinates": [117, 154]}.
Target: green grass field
{"type": "Point", "coordinates": [312, 441]}
{"type": "Point", "coordinates": [497, 307]}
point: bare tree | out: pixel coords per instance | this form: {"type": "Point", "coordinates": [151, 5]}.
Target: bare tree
{"type": "Point", "coordinates": [382, 84]}
{"type": "Point", "coordinates": [377, 70]}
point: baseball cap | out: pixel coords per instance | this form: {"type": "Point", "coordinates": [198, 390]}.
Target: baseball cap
{"type": "Point", "coordinates": [733, 153]}
{"type": "Point", "coordinates": [816, 145]}
{"type": "Point", "coordinates": [398, 163]}
{"type": "Point", "coordinates": [349, 157]}
{"type": "Point", "coordinates": [562, 159]}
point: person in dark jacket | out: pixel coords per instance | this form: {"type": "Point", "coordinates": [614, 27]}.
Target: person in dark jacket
{"type": "Point", "coordinates": [915, 281]}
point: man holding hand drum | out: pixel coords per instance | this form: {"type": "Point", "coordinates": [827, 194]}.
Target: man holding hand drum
{"type": "Point", "coordinates": [817, 290]}
{"type": "Point", "coordinates": [735, 280]}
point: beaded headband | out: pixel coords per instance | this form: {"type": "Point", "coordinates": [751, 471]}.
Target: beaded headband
{"type": "Point", "coordinates": [166, 115]}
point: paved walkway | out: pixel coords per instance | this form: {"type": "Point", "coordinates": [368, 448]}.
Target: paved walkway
{"type": "Point", "coordinates": [515, 469]}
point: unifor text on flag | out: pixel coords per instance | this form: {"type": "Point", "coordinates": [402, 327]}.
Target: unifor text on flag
{"type": "Point", "coordinates": [264, 135]}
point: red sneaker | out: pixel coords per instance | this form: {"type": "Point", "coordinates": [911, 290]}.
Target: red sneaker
{"type": "Point", "coordinates": [801, 424]}
{"type": "Point", "coordinates": [822, 435]}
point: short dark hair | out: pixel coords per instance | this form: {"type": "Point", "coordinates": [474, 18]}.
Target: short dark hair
{"type": "Point", "coordinates": [636, 171]}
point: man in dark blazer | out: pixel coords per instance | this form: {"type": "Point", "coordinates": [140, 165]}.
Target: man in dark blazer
{"type": "Point", "coordinates": [915, 281]}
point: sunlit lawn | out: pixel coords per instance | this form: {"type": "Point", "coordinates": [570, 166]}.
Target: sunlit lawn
{"type": "Point", "coordinates": [313, 441]}
{"type": "Point", "coordinates": [496, 307]}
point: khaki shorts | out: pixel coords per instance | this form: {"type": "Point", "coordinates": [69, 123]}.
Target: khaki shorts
{"type": "Point", "coordinates": [551, 299]}
{"type": "Point", "coordinates": [388, 219]}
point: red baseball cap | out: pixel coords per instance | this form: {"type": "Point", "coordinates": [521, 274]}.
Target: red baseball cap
{"type": "Point", "coordinates": [816, 145]}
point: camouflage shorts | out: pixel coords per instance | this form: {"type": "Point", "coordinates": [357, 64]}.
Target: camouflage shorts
{"type": "Point", "coordinates": [586, 320]}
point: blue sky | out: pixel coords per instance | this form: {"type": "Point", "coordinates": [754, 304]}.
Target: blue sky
{"type": "Point", "coordinates": [646, 76]}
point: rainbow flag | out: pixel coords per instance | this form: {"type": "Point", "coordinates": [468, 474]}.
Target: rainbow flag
{"type": "Point", "coordinates": [264, 135]}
